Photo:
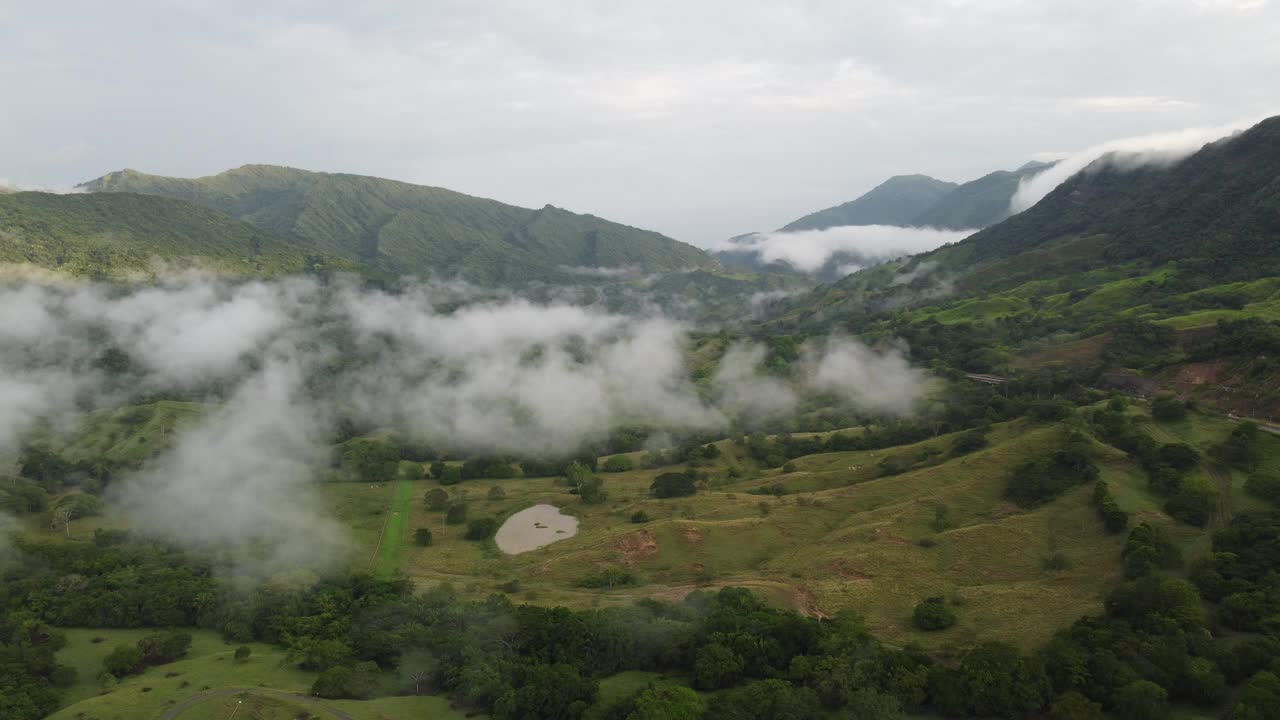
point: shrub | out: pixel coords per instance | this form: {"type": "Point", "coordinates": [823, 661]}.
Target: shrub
{"type": "Point", "coordinates": [123, 660]}
{"type": "Point", "coordinates": [941, 518]}
{"type": "Point", "coordinates": [497, 493]}
{"type": "Point", "coordinates": [610, 577]}
{"type": "Point", "coordinates": [1265, 486]}
{"type": "Point", "coordinates": [1142, 700]}
{"type": "Point", "coordinates": [436, 499]}
{"type": "Point", "coordinates": [673, 484]}
{"type": "Point", "coordinates": [457, 513]}
{"type": "Point", "coordinates": [1168, 409]}
{"type": "Point", "coordinates": [422, 537]}
{"type": "Point", "coordinates": [242, 653]}
{"type": "Point", "coordinates": [450, 475]}
{"type": "Point", "coordinates": [971, 441]}
{"type": "Point", "coordinates": [1113, 518]}
{"type": "Point", "coordinates": [933, 614]}
{"type": "Point", "coordinates": [639, 516]}
{"type": "Point", "coordinates": [618, 463]}
{"type": "Point", "coordinates": [481, 528]}
{"type": "Point", "coordinates": [1056, 562]}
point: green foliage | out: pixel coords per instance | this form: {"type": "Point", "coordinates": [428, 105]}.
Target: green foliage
{"type": "Point", "coordinates": [161, 648]}
{"type": "Point", "coordinates": [111, 235]}
{"type": "Point", "coordinates": [1194, 502]}
{"type": "Point", "coordinates": [1241, 449]}
{"type": "Point", "coordinates": [1074, 706]}
{"type": "Point", "coordinates": [1039, 481]}
{"type": "Point", "coordinates": [673, 484]}
{"type": "Point", "coordinates": [402, 228]}
{"type": "Point", "coordinates": [1138, 343]}
{"type": "Point", "coordinates": [481, 528]}
{"type": "Point", "coordinates": [124, 660]}
{"type": "Point", "coordinates": [242, 653]}
{"type": "Point", "coordinates": [933, 614]}
{"type": "Point", "coordinates": [716, 666]}
{"type": "Point", "coordinates": [436, 499]}
{"type": "Point", "coordinates": [457, 511]}
{"type": "Point", "coordinates": [422, 537]}
{"type": "Point", "coordinates": [766, 700]}
{"type": "Point", "coordinates": [1265, 485]}
{"type": "Point", "coordinates": [1167, 408]}
{"type": "Point", "coordinates": [371, 460]}
{"type": "Point", "coordinates": [992, 679]}
{"type": "Point", "coordinates": [610, 577]}
{"type": "Point", "coordinates": [449, 474]}
{"type": "Point", "coordinates": [1142, 700]}
{"type": "Point", "coordinates": [1113, 518]}
{"type": "Point", "coordinates": [1147, 549]}
{"type": "Point", "coordinates": [496, 493]}
{"type": "Point", "coordinates": [666, 703]}
{"type": "Point", "coordinates": [618, 463]}
{"type": "Point", "coordinates": [639, 516]}
{"type": "Point", "coordinates": [356, 682]}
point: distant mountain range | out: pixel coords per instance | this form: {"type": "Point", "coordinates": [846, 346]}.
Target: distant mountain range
{"type": "Point", "coordinates": [392, 227]}
{"type": "Point", "coordinates": [901, 201]}
{"type": "Point", "coordinates": [1126, 235]}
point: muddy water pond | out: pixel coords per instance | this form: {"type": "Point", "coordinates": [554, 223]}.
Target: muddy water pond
{"type": "Point", "coordinates": [535, 527]}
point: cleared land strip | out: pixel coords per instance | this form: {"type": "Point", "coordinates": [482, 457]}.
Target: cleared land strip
{"type": "Point", "coordinates": [387, 553]}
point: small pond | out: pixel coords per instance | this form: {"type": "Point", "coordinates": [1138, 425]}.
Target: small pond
{"type": "Point", "coordinates": [534, 527]}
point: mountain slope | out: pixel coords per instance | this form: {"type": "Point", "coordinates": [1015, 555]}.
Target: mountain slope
{"type": "Point", "coordinates": [977, 203]}
{"type": "Point", "coordinates": [114, 234]}
{"type": "Point", "coordinates": [1106, 240]}
{"type": "Point", "coordinates": [896, 201]}
{"type": "Point", "coordinates": [403, 228]}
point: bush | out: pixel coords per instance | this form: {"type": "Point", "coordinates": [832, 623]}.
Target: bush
{"type": "Point", "coordinates": [1194, 502]}
{"type": "Point", "coordinates": [1168, 409]}
{"type": "Point", "coordinates": [618, 463]}
{"type": "Point", "coordinates": [123, 660]}
{"type": "Point", "coordinates": [422, 537]}
{"type": "Point", "coordinates": [457, 513]}
{"type": "Point", "coordinates": [610, 577]}
{"type": "Point", "coordinates": [971, 441]}
{"type": "Point", "coordinates": [639, 516]}
{"type": "Point", "coordinates": [1113, 518]}
{"type": "Point", "coordinates": [1142, 700]}
{"type": "Point", "coordinates": [242, 653]}
{"type": "Point", "coordinates": [1264, 485]}
{"type": "Point", "coordinates": [481, 528]}
{"type": "Point", "coordinates": [1056, 562]}
{"type": "Point", "coordinates": [933, 614]}
{"type": "Point", "coordinates": [497, 493]}
{"type": "Point", "coordinates": [449, 475]}
{"type": "Point", "coordinates": [673, 484]}
{"type": "Point", "coordinates": [436, 499]}
{"type": "Point", "coordinates": [160, 648]}
{"type": "Point", "coordinates": [1034, 483]}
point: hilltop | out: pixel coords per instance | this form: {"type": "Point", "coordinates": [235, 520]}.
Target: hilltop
{"type": "Point", "coordinates": [896, 201]}
{"type": "Point", "coordinates": [401, 228]}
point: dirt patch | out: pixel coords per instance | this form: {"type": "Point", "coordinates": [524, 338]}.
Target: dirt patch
{"type": "Point", "coordinates": [1206, 373]}
{"type": "Point", "coordinates": [692, 534]}
{"type": "Point", "coordinates": [637, 546]}
{"type": "Point", "coordinates": [805, 604]}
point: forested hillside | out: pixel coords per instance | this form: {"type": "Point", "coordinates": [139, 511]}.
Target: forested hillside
{"type": "Point", "coordinates": [403, 228]}
{"type": "Point", "coordinates": [110, 235]}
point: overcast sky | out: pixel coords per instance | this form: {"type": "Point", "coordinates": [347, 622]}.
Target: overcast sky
{"type": "Point", "coordinates": [697, 118]}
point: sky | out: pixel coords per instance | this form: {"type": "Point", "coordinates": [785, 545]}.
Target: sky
{"type": "Point", "coordinates": [700, 119]}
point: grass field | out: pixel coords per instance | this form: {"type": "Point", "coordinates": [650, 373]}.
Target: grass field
{"type": "Point", "coordinates": [393, 535]}
{"type": "Point", "coordinates": [841, 537]}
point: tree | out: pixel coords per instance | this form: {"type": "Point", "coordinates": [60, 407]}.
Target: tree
{"type": "Point", "coordinates": [673, 484]}
{"type": "Point", "coordinates": [457, 512]}
{"type": "Point", "coordinates": [436, 499]}
{"type": "Point", "coordinates": [618, 463]}
{"type": "Point", "coordinates": [1241, 448]}
{"type": "Point", "coordinates": [771, 699]}
{"type": "Point", "coordinates": [1168, 409]}
{"type": "Point", "coordinates": [481, 528]}
{"type": "Point", "coordinates": [1142, 700]}
{"type": "Point", "coordinates": [123, 660]}
{"type": "Point", "coordinates": [716, 666]}
{"type": "Point", "coordinates": [422, 537]}
{"type": "Point", "coordinates": [242, 654]}
{"type": "Point", "coordinates": [450, 475]}
{"type": "Point", "coordinates": [160, 648]}
{"type": "Point", "coordinates": [1074, 706]}
{"type": "Point", "coordinates": [667, 703]}
{"type": "Point", "coordinates": [372, 460]}
{"type": "Point", "coordinates": [933, 614]}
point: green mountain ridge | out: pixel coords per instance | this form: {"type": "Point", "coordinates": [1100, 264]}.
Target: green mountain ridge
{"type": "Point", "coordinates": [113, 235]}
{"type": "Point", "coordinates": [896, 201]}
{"type": "Point", "coordinates": [402, 228]}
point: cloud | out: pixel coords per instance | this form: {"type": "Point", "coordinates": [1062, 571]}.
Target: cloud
{"type": "Point", "coordinates": [811, 251]}
{"type": "Point", "coordinates": [282, 361]}
{"type": "Point", "coordinates": [1157, 149]}
{"type": "Point", "coordinates": [878, 380]}
{"type": "Point", "coordinates": [7, 185]}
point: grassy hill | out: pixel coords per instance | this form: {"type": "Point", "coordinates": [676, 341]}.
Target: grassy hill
{"type": "Point", "coordinates": [412, 229]}
{"type": "Point", "coordinates": [111, 235]}
{"type": "Point", "coordinates": [896, 201]}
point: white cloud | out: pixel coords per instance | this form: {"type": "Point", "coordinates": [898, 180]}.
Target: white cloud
{"type": "Point", "coordinates": [810, 250]}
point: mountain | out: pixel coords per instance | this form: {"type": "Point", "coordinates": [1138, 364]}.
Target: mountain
{"type": "Point", "coordinates": [977, 203]}
{"type": "Point", "coordinates": [1153, 242]}
{"type": "Point", "coordinates": [105, 235]}
{"type": "Point", "coordinates": [896, 201]}
{"type": "Point", "coordinates": [403, 228]}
